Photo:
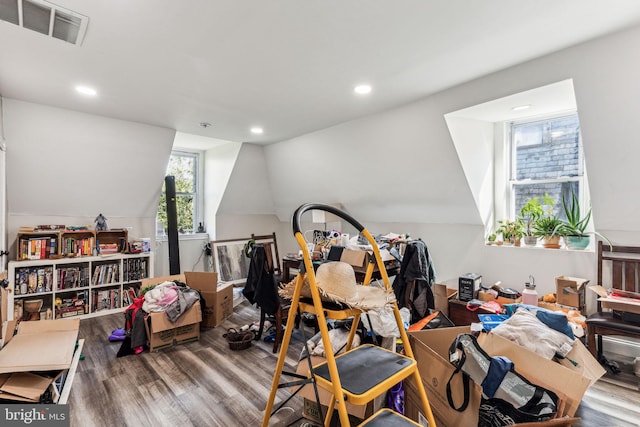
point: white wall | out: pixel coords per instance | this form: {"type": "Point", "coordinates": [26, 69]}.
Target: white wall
{"type": "Point", "coordinates": [218, 166]}
{"type": "Point", "coordinates": [192, 256]}
{"type": "Point", "coordinates": [248, 190]}
{"type": "Point", "coordinates": [66, 167]}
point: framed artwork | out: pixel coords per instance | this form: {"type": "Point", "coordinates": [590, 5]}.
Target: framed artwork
{"type": "Point", "coordinates": [229, 260]}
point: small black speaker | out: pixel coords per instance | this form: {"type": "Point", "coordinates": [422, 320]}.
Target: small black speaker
{"type": "Point", "coordinates": [172, 225]}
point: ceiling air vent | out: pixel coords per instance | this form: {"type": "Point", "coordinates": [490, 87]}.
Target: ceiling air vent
{"type": "Point", "coordinates": [45, 18]}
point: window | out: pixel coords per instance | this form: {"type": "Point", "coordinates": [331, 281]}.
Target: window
{"type": "Point", "coordinates": [546, 158]}
{"type": "Point", "coordinates": [184, 167]}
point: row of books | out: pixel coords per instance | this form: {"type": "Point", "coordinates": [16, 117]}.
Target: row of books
{"type": "Point", "coordinates": [106, 299]}
{"type": "Point", "coordinates": [106, 273]}
{"type": "Point", "coordinates": [77, 245]}
{"type": "Point", "coordinates": [73, 277]}
{"type": "Point", "coordinates": [134, 269]}
{"type": "Point", "coordinates": [32, 280]}
{"type": "Point", "coordinates": [37, 247]}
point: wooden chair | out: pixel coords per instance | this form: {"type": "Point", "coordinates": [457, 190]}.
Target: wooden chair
{"type": "Point", "coordinates": [624, 271]}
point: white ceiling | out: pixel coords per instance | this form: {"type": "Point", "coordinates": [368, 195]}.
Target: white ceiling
{"type": "Point", "coordinates": [286, 65]}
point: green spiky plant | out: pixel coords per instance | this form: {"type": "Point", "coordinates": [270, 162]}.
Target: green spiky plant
{"type": "Point", "coordinates": [548, 224]}
{"type": "Point", "coordinates": [575, 226]}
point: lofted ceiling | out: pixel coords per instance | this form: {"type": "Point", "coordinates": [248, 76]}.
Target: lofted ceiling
{"type": "Point", "coordinates": [288, 66]}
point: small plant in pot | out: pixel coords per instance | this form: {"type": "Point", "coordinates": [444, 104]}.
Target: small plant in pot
{"type": "Point", "coordinates": [548, 226]}
{"type": "Point", "coordinates": [529, 213]}
{"type": "Point", "coordinates": [575, 226]}
{"type": "Point", "coordinates": [511, 231]}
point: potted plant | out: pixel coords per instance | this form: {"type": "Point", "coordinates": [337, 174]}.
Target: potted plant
{"type": "Point", "coordinates": [529, 213]}
{"type": "Point", "coordinates": [548, 226]}
{"type": "Point", "coordinates": [511, 231]}
{"type": "Point", "coordinates": [574, 227]}
{"type": "Point", "coordinates": [491, 239]}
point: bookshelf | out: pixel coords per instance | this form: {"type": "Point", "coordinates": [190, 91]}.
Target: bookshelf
{"type": "Point", "coordinates": [52, 244]}
{"type": "Point", "coordinates": [85, 286]}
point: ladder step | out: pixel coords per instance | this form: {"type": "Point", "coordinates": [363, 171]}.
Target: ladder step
{"type": "Point", "coordinates": [366, 372]}
{"type": "Point", "coordinates": [388, 418]}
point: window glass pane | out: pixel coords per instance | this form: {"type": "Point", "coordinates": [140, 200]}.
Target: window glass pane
{"type": "Point", "coordinates": [524, 192]}
{"type": "Point", "coordinates": [547, 149]}
{"type": "Point", "coordinates": [183, 169]}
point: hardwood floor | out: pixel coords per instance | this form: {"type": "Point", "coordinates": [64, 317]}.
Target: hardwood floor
{"type": "Point", "coordinates": [206, 384]}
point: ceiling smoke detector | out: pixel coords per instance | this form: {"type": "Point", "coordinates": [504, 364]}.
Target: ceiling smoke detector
{"type": "Point", "coordinates": [45, 18]}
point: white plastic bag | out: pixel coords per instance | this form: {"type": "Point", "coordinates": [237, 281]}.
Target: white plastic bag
{"type": "Point", "coordinates": [384, 323]}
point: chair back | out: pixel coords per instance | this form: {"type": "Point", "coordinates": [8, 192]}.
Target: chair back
{"type": "Point", "coordinates": [270, 244]}
{"type": "Point", "coordinates": [622, 267]}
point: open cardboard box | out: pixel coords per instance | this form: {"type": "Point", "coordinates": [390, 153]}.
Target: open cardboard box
{"type": "Point", "coordinates": [218, 297]}
{"type": "Point", "coordinates": [360, 259]}
{"type": "Point", "coordinates": [431, 349]}
{"type": "Point", "coordinates": [161, 332]}
{"type": "Point", "coordinates": [630, 302]}
{"type": "Point", "coordinates": [42, 346]}
{"type": "Point", "coordinates": [570, 291]}
{"type": "Point", "coordinates": [45, 345]}
{"type": "Point", "coordinates": [442, 294]}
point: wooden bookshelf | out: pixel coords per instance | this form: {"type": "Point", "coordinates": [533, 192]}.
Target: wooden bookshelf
{"type": "Point", "coordinates": [52, 244]}
{"type": "Point", "coordinates": [117, 237]}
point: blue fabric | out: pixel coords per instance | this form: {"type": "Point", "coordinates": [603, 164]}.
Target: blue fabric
{"type": "Point", "coordinates": [498, 368]}
{"type": "Point", "coordinates": [556, 321]}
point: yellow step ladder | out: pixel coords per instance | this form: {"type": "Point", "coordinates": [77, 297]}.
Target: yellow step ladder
{"type": "Point", "coordinates": [361, 374]}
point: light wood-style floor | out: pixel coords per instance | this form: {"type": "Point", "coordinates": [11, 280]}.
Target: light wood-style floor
{"type": "Point", "coordinates": [206, 384]}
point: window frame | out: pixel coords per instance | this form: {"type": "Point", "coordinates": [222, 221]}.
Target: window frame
{"type": "Point", "coordinates": [197, 194]}
{"type": "Point", "coordinates": [511, 156]}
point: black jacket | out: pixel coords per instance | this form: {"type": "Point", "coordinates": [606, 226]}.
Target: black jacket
{"type": "Point", "coordinates": [412, 286]}
{"type": "Point", "coordinates": [261, 288]}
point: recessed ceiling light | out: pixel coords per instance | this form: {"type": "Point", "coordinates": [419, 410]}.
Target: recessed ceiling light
{"type": "Point", "coordinates": [257, 130]}
{"type": "Point", "coordinates": [521, 107]}
{"type": "Point", "coordinates": [362, 89]}
{"type": "Point", "coordinates": [85, 90]}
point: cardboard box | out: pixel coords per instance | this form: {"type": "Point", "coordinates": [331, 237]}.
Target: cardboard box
{"type": "Point", "coordinates": [358, 411]}
{"type": "Point", "coordinates": [431, 348]}
{"type": "Point", "coordinates": [359, 260]}
{"type": "Point", "coordinates": [162, 333]}
{"type": "Point", "coordinates": [311, 412]}
{"type": "Point", "coordinates": [442, 294]}
{"type": "Point", "coordinates": [218, 297]}
{"type": "Point", "coordinates": [570, 291]}
{"type": "Point", "coordinates": [45, 345]}
{"type": "Point", "coordinates": [628, 304]}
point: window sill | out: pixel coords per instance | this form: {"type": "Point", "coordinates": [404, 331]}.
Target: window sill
{"type": "Point", "coordinates": [563, 248]}
{"type": "Point", "coordinates": [185, 236]}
